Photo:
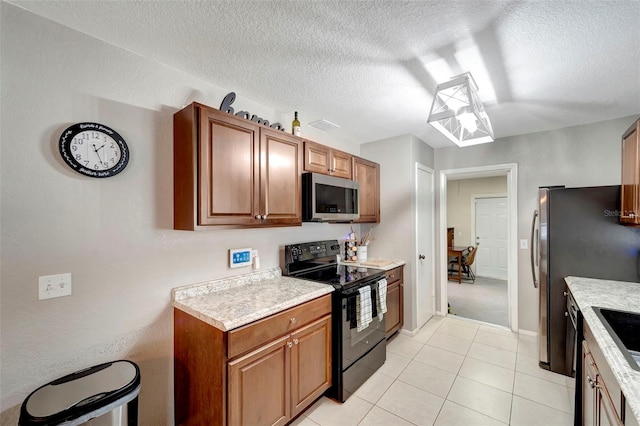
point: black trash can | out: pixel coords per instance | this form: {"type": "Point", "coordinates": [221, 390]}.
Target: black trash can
{"type": "Point", "coordinates": [102, 390]}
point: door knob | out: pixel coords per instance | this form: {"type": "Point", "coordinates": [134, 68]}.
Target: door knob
{"type": "Point", "coordinates": [421, 257]}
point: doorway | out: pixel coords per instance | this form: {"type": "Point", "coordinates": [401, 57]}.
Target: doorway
{"type": "Point", "coordinates": [502, 257]}
{"type": "Point", "coordinates": [425, 245]}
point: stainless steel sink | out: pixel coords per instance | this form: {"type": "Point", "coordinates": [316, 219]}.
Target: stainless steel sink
{"type": "Point", "coordinates": [624, 328]}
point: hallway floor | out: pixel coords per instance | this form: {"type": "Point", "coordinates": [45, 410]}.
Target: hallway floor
{"type": "Point", "coordinates": [484, 300]}
{"type": "Point", "coordinates": [455, 372]}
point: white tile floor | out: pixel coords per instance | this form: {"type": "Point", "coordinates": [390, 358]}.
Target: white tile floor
{"type": "Point", "coordinates": [455, 372]}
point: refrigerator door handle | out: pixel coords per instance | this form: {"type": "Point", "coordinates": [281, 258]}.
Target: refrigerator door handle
{"type": "Point", "coordinates": [534, 248]}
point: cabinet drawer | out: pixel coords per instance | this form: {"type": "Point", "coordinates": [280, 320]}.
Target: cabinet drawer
{"type": "Point", "coordinates": [394, 275]}
{"type": "Point", "coordinates": [243, 339]}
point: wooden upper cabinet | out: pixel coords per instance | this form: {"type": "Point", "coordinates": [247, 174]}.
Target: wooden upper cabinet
{"type": "Point", "coordinates": [280, 182]}
{"type": "Point", "coordinates": [322, 159]}
{"type": "Point", "coordinates": [228, 170]}
{"type": "Point", "coordinates": [367, 174]}
{"type": "Point", "coordinates": [232, 171]}
{"type": "Point", "coordinates": [630, 194]}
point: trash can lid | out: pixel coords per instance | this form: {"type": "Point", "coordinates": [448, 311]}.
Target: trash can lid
{"type": "Point", "coordinates": [80, 393]}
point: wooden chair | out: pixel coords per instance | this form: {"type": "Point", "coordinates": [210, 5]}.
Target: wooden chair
{"type": "Point", "coordinates": [468, 257]}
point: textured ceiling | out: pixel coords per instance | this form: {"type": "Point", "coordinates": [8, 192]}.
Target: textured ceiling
{"type": "Point", "coordinates": [366, 65]}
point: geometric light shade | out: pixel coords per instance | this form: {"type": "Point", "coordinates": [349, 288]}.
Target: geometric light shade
{"type": "Point", "coordinates": [458, 114]}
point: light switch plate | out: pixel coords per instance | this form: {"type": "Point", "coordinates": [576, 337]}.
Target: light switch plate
{"type": "Point", "coordinates": [524, 244]}
{"type": "Point", "coordinates": [50, 286]}
{"type": "Point", "coordinates": [239, 257]}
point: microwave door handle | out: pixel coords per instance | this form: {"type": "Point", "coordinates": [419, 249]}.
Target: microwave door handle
{"type": "Point", "coordinates": [534, 248]}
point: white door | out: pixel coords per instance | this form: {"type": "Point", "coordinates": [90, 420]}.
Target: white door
{"type": "Point", "coordinates": [492, 237]}
{"type": "Point", "coordinates": [425, 278]}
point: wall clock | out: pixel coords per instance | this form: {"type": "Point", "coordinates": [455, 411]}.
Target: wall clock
{"type": "Point", "coordinates": [94, 150]}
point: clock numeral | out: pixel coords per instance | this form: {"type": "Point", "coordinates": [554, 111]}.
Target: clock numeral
{"type": "Point", "coordinates": [96, 167]}
{"type": "Point", "coordinates": [74, 147]}
{"type": "Point", "coordinates": [78, 157]}
{"type": "Point", "coordinates": [86, 162]}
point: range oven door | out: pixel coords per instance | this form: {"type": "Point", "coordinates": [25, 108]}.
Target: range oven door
{"type": "Point", "coordinates": [355, 344]}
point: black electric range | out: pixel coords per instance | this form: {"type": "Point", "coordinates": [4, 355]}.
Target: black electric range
{"type": "Point", "coordinates": [356, 354]}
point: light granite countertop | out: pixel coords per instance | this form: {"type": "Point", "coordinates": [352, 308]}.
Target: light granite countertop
{"type": "Point", "coordinates": [623, 296]}
{"type": "Point", "coordinates": [386, 264]}
{"type": "Point", "coordinates": [232, 302]}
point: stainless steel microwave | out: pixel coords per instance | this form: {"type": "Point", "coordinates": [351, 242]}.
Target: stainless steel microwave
{"type": "Point", "coordinates": [329, 198]}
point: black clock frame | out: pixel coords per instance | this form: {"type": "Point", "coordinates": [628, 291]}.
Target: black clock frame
{"type": "Point", "coordinates": [65, 149]}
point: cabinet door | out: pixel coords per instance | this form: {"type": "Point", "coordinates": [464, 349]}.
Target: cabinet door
{"type": "Point", "coordinates": [341, 164]}
{"type": "Point", "coordinates": [367, 174]}
{"type": "Point", "coordinates": [631, 176]}
{"type": "Point", "coordinates": [317, 158]}
{"type": "Point", "coordinates": [607, 415]}
{"type": "Point", "coordinates": [310, 363]}
{"type": "Point", "coordinates": [259, 386]}
{"type": "Point", "coordinates": [589, 394]}
{"type": "Point", "coordinates": [393, 309]}
{"type": "Point", "coordinates": [228, 170]}
{"type": "Point", "coordinates": [280, 183]}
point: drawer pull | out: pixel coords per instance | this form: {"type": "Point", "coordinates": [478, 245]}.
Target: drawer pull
{"type": "Point", "coordinates": [293, 320]}
{"type": "Point", "coordinates": [295, 341]}
{"type": "Point", "coordinates": [289, 344]}
{"type": "Point", "coordinates": [591, 382]}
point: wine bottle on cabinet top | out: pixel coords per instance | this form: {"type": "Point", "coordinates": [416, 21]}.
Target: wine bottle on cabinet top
{"type": "Point", "coordinates": [295, 125]}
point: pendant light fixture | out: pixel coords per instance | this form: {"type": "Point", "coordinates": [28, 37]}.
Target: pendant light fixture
{"type": "Point", "coordinates": [457, 112]}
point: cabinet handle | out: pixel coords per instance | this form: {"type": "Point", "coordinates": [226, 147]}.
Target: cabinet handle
{"type": "Point", "coordinates": [289, 344]}
{"type": "Point", "coordinates": [566, 314]}
{"type": "Point", "coordinates": [391, 276]}
{"type": "Point", "coordinates": [264, 216]}
{"type": "Point", "coordinates": [293, 320]}
{"type": "Point", "coordinates": [591, 382]}
{"type": "Point", "coordinates": [564, 293]}
{"type": "Point", "coordinates": [295, 341]}
{"type": "Point", "coordinates": [258, 216]}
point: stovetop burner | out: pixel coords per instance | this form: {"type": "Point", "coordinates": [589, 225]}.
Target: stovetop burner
{"type": "Point", "coordinates": [316, 261]}
{"type": "Point", "coordinates": [340, 275]}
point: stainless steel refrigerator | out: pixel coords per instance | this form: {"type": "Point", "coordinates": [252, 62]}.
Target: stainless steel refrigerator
{"type": "Point", "coordinates": [576, 231]}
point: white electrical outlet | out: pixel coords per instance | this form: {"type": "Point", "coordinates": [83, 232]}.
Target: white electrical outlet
{"type": "Point", "coordinates": [50, 286]}
{"type": "Point", "coordinates": [239, 257]}
{"type": "Point", "coordinates": [524, 244]}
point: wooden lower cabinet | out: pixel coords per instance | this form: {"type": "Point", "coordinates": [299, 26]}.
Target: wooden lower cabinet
{"type": "Point", "coordinates": [266, 382]}
{"type": "Point", "coordinates": [601, 401]}
{"type": "Point", "coordinates": [277, 381]}
{"type": "Point", "coordinates": [395, 300]}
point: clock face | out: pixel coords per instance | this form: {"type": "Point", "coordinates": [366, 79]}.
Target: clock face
{"type": "Point", "coordinates": [94, 150]}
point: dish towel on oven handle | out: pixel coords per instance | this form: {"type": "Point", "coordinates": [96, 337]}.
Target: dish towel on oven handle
{"type": "Point", "coordinates": [381, 299]}
{"type": "Point", "coordinates": [364, 314]}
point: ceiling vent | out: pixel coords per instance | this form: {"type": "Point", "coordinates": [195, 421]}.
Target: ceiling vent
{"type": "Point", "coordinates": [324, 125]}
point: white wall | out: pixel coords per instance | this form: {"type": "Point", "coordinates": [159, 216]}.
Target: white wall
{"type": "Point", "coordinates": [588, 155]}
{"type": "Point", "coordinates": [114, 235]}
{"type": "Point", "coordinates": [459, 196]}
{"type": "Point", "coordinates": [394, 236]}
